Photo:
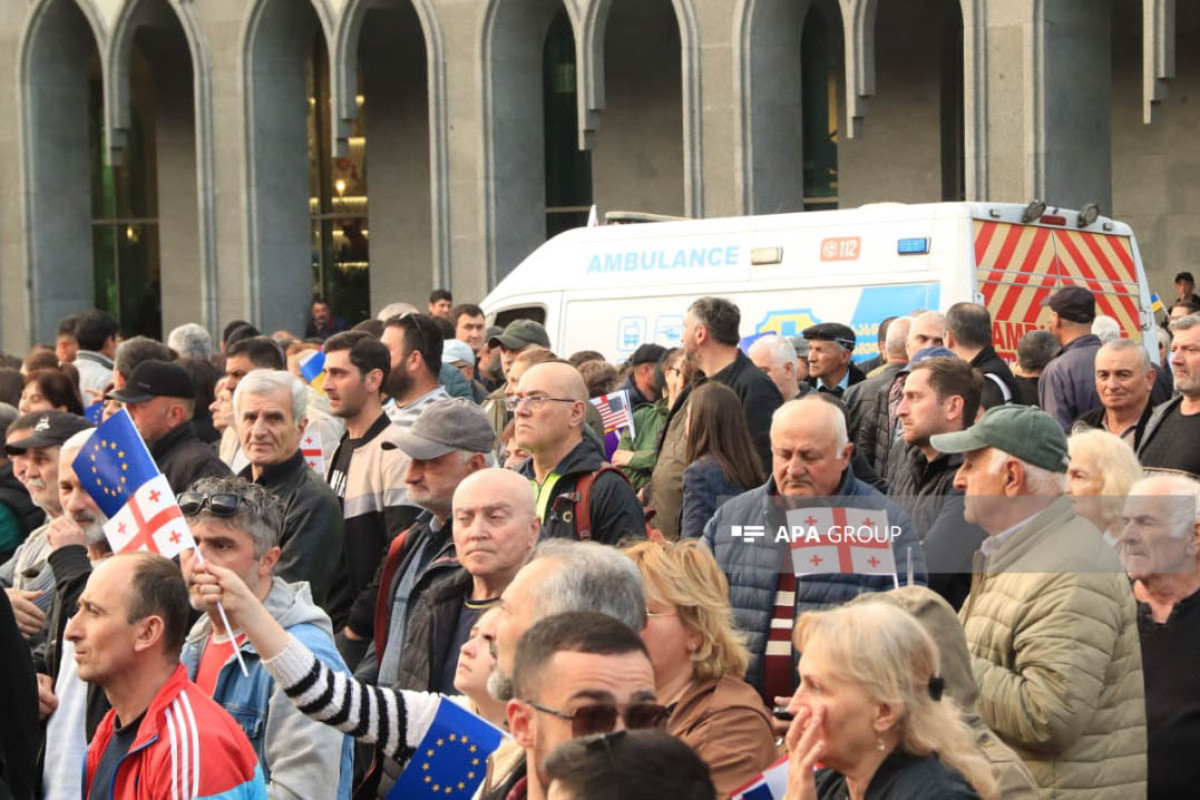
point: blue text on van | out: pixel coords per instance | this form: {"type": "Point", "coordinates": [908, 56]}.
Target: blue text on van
{"type": "Point", "coordinates": [664, 259]}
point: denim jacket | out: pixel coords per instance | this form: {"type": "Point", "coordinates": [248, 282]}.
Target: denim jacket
{"type": "Point", "coordinates": [300, 758]}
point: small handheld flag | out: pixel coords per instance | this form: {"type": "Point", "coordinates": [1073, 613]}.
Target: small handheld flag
{"type": "Point", "coordinates": [451, 760]}
{"type": "Point", "coordinates": [116, 469]}
{"type": "Point", "coordinates": [615, 411]}
{"type": "Point", "coordinates": [95, 412]}
{"type": "Point", "coordinates": [771, 785]}
{"type": "Point", "coordinates": [312, 448]}
{"type": "Point", "coordinates": [312, 369]}
{"type": "Point", "coordinates": [1156, 303]}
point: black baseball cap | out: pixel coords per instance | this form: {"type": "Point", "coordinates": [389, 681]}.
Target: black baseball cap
{"type": "Point", "coordinates": [1073, 303]}
{"type": "Point", "coordinates": [152, 379]}
{"type": "Point", "coordinates": [648, 354]}
{"type": "Point", "coordinates": [831, 332]}
{"type": "Point", "coordinates": [49, 429]}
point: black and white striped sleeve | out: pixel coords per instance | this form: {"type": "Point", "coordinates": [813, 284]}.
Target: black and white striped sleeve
{"type": "Point", "coordinates": [396, 721]}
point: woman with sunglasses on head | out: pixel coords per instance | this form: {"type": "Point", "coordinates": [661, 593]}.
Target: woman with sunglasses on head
{"type": "Point", "coordinates": [699, 661]}
{"type": "Point", "coordinates": [394, 720]}
{"type": "Point", "coordinates": [870, 711]}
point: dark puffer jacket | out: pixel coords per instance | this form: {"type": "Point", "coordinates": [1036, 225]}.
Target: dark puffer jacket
{"type": "Point", "coordinates": [753, 567]}
{"type": "Point", "coordinates": [184, 459]}
{"type": "Point", "coordinates": [615, 511]}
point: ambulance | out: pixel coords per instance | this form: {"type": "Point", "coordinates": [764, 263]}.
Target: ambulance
{"type": "Point", "coordinates": [612, 287]}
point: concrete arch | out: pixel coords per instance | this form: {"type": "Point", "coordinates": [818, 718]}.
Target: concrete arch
{"type": "Point", "coordinates": [56, 197]}
{"type": "Point", "coordinates": [276, 203]}
{"type": "Point", "coordinates": [117, 121]}
{"type": "Point", "coordinates": [344, 67]}
{"type": "Point", "coordinates": [591, 89]}
{"type": "Point", "coordinates": [512, 39]}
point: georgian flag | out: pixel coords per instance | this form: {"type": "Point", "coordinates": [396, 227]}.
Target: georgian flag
{"type": "Point", "coordinates": [841, 540]}
{"type": "Point", "coordinates": [150, 520]}
{"type": "Point", "coordinates": [312, 450]}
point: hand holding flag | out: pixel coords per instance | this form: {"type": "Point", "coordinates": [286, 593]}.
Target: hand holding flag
{"type": "Point", "coordinates": [116, 469]}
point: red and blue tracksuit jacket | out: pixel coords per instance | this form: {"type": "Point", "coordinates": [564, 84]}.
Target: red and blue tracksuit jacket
{"type": "Point", "coordinates": [187, 748]}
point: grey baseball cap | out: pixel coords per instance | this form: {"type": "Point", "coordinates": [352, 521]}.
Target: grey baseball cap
{"type": "Point", "coordinates": [446, 426]}
{"type": "Point", "coordinates": [1028, 433]}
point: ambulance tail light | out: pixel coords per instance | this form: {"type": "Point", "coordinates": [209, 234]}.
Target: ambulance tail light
{"type": "Point", "coordinates": [913, 247]}
{"type": "Point", "coordinates": [1052, 219]}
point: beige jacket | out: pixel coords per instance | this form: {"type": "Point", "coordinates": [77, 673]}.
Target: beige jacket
{"type": "Point", "coordinates": [1051, 626]}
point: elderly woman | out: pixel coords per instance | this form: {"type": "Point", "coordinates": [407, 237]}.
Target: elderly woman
{"type": "Point", "coordinates": [1102, 470]}
{"type": "Point", "coordinates": [870, 710]}
{"type": "Point", "coordinates": [699, 661]}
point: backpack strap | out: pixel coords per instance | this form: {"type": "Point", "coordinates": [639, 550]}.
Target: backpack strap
{"type": "Point", "coordinates": [583, 505]}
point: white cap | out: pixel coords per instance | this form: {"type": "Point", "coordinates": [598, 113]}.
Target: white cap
{"type": "Point", "coordinates": [455, 350]}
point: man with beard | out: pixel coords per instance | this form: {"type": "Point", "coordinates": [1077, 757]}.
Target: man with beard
{"type": "Point", "coordinates": [33, 443]}
{"type": "Point", "coordinates": [415, 347]}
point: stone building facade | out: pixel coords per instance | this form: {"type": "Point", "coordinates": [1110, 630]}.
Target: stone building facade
{"type": "Point", "coordinates": [207, 160]}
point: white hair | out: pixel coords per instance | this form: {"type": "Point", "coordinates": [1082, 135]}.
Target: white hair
{"type": "Point", "coordinates": [837, 418]}
{"type": "Point", "coordinates": [1185, 323]}
{"type": "Point", "coordinates": [1183, 515]}
{"type": "Point", "coordinates": [897, 337]}
{"type": "Point", "coordinates": [1119, 345]}
{"type": "Point", "coordinates": [1039, 481]}
{"type": "Point", "coordinates": [191, 341]}
{"type": "Point", "coordinates": [265, 381]}
{"type": "Point", "coordinates": [1107, 328]}
{"type": "Point", "coordinates": [75, 443]}
{"type": "Point", "coordinates": [394, 310]}
{"type": "Point", "coordinates": [1164, 337]}
{"type": "Point", "coordinates": [777, 348]}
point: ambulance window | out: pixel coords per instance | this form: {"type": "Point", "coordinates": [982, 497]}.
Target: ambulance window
{"type": "Point", "coordinates": [535, 313]}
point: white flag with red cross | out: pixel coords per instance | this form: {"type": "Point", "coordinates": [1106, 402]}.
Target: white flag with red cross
{"type": "Point", "coordinates": [311, 449]}
{"type": "Point", "coordinates": [150, 520]}
{"type": "Point", "coordinates": [841, 540]}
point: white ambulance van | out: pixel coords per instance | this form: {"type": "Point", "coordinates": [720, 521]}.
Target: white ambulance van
{"type": "Point", "coordinates": [614, 287]}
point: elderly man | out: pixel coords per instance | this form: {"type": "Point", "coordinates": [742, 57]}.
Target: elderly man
{"type": "Point", "coordinates": [550, 407]}
{"type": "Point", "coordinates": [776, 357]}
{"type": "Point", "coordinates": [451, 440]}
{"type": "Point", "coordinates": [941, 395]}
{"type": "Point", "coordinates": [1067, 387]}
{"type": "Point", "coordinates": [1051, 619]}
{"type": "Point", "coordinates": [190, 340]}
{"type": "Point", "coordinates": [830, 369]}
{"type": "Point", "coordinates": [161, 399]}
{"type": "Point", "coordinates": [493, 537]}
{"type": "Point", "coordinates": [34, 441]}
{"type": "Point", "coordinates": [270, 409]}
{"type": "Point", "coordinates": [1159, 547]}
{"type": "Point", "coordinates": [237, 525]}
{"type": "Point", "coordinates": [415, 346]}
{"type": "Point", "coordinates": [163, 735]}
{"type": "Point", "coordinates": [810, 468]}
{"type": "Point", "coordinates": [1168, 442]}
{"type": "Point", "coordinates": [567, 665]}
{"type": "Point", "coordinates": [1124, 380]}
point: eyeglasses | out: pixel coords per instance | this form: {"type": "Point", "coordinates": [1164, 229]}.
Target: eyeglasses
{"type": "Point", "coordinates": [535, 401]}
{"type": "Point", "coordinates": [219, 505]}
{"type": "Point", "coordinates": [602, 717]}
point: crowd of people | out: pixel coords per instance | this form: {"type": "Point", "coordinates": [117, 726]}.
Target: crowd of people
{"type": "Point", "coordinates": [441, 515]}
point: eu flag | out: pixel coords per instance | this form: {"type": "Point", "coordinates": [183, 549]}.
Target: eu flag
{"type": "Point", "coordinates": [451, 760]}
{"type": "Point", "coordinates": [114, 463]}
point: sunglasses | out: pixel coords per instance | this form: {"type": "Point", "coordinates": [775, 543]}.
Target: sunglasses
{"type": "Point", "coordinates": [602, 717]}
{"type": "Point", "coordinates": [219, 505]}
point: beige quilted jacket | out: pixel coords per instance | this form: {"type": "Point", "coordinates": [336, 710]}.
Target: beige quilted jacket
{"type": "Point", "coordinates": [1051, 626]}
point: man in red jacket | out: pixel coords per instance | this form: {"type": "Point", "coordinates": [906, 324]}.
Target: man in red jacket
{"type": "Point", "coordinates": [163, 738]}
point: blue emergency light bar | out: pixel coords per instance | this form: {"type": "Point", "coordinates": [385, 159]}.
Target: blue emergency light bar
{"type": "Point", "coordinates": [913, 247]}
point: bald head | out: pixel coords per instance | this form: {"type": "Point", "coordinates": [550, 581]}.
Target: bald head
{"type": "Point", "coordinates": [819, 413]}
{"type": "Point", "coordinates": [897, 337]}
{"type": "Point", "coordinates": [559, 379]}
{"type": "Point", "coordinates": [550, 413]}
{"type": "Point", "coordinates": [514, 488]}
{"type": "Point", "coordinates": [928, 330]}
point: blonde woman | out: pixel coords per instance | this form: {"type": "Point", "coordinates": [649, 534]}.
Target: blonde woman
{"type": "Point", "coordinates": [1102, 470]}
{"type": "Point", "coordinates": [699, 661]}
{"type": "Point", "coordinates": [870, 708]}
